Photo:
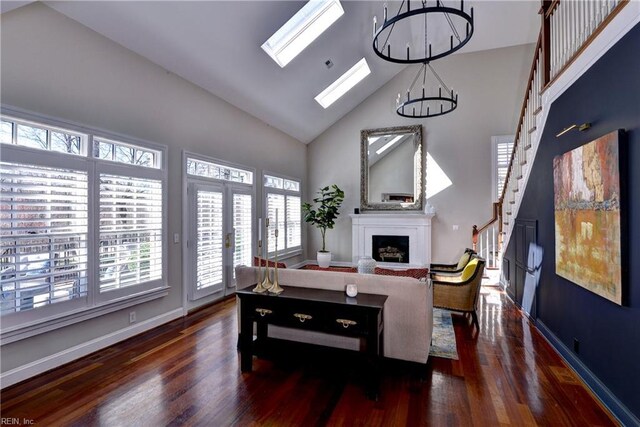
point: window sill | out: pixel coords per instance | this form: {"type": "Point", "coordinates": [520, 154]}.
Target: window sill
{"type": "Point", "coordinates": [41, 326]}
{"type": "Point", "coordinates": [286, 255]}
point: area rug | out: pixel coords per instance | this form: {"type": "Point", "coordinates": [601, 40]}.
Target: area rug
{"type": "Point", "coordinates": [443, 341]}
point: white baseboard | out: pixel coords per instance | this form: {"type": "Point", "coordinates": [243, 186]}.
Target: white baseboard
{"type": "Point", "coordinates": [53, 361]}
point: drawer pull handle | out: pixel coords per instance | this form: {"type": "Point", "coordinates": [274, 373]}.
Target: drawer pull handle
{"type": "Point", "coordinates": [346, 322]}
{"type": "Point", "coordinates": [263, 311]}
{"type": "Point", "coordinates": [302, 317]}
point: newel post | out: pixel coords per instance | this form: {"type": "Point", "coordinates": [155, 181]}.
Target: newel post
{"type": "Point", "coordinates": [474, 237]}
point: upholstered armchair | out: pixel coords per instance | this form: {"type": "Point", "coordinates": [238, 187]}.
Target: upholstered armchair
{"type": "Point", "coordinates": [454, 268]}
{"type": "Point", "coordinates": [459, 292]}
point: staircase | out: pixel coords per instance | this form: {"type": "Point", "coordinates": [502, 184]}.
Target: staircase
{"type": "Point", "coordinates": [573, 35]}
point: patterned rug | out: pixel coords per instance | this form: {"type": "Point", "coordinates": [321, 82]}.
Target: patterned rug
{"type": "Point", "coordinates": [443, 341]}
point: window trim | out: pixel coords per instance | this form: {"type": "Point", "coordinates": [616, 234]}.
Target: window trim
{"type": "Point", "coordinates": [53, 316]}
{"type": "Point", "coordinates": [288, 252]}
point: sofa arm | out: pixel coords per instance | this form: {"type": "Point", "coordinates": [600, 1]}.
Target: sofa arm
{"type": "Point", "coordinates": [444, 266]}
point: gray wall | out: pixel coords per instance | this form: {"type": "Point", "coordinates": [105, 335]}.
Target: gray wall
{"type": "Point", "coordinates": [54, 66]}
{"type": "Point", "coordinates": [491, 86]}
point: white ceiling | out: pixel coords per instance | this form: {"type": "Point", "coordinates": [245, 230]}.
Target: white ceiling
{"type": "Point", "coordinates": [216, 45]}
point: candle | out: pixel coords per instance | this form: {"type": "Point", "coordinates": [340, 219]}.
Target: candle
{"type": "Point", "coordinates": [277, 218]}
{"type": "Point", "coordinates": [259, 228]}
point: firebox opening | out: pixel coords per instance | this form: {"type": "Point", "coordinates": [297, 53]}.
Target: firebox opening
{"type": "Point", "coordinates": [390, 249]}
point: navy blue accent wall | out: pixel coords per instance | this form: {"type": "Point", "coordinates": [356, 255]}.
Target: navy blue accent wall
{"type": "Point", "coordinates": [608, 96]}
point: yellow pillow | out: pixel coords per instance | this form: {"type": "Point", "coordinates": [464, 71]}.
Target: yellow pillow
{"type": "Point", "coordinates": [469, 270]}
{"type": "Point", "coordinates": [464, 259]}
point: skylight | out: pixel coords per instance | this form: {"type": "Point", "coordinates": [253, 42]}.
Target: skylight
{"type": "Point", "coordinates": [303, 28]}
{"type": "Point", "coordinates": [344, 83]}
{"type": "Point", "coordinates": [388, 144]}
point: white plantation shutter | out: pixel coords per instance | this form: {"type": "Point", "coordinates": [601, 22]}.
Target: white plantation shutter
{"type": "Point", "coordinates": [503, 146]}
{"type": "Point", "coordinates": [209, 239]}
{"type": "Point", "coordinates": [242, 218]}
{"type": "Point", "coordinates": [130, 231]}
{"type": "Point", "coordinates": [284, 194]}
{"type": "Point", "coordinates": [44, 233]}
{"type": "Point", "coordinates": [276, 202]}
{"type": "Point", "coordinates": [294, 226]}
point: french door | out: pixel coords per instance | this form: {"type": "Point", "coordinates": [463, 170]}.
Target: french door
{"type": "Point", "coordinates": [220, 236]}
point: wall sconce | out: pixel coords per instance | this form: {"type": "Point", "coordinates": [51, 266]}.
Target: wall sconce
{"type": "Point", "coordinates": [581, 128]}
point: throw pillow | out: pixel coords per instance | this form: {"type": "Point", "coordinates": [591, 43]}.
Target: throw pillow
{"type": "Point", "coordinates": [464, 260]}
{"type": "Point", "coordinates": [469, 270]}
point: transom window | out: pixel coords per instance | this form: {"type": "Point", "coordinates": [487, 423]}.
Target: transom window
{"type": "Point", "coordinates": [125, 153]}
{"type": "Point", "coordinates": [41, 137]}
{"type": "Point", "coordinates": [217, 171]}
{"type": "Point", "coordinates": [283, 201]}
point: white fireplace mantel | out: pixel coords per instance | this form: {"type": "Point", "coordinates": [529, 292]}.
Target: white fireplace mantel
{"type": "Point", "coordinates": [416, 226]}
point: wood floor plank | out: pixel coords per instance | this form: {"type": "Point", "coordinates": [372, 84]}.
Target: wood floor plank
{"type": "Point", "coordinates": [186, 373]}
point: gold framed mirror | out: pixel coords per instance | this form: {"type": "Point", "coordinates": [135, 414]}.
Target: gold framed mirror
{"type": "Point", "coordinates": [392, 168]}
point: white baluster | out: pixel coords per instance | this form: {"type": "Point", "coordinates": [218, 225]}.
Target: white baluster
{"type": "Point", "coordinates": [493, 244]}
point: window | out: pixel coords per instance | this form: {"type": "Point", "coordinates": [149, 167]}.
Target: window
{"type": "Point", "coordinates": [217, 171]}
{"type": "Point", "coordinates": [44, 236]}
{"type": "Point", "coordinates": [67, 216]}
{"type": "Point", "coordinates": [302, 29]}
{"type": "Point", "coordinates": [502, 146]}
{"type": "Point", "coordinates": [283, 208]}
{"type": "Point", "coordinates": [130, 231]}
{"type": "Point", "coordinates": [124, 153]}
{"type": "Point", "coordinates": [31, 135]}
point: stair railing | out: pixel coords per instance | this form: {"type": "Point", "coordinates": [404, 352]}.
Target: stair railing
{"type": "Point", "coordinates": [568, 27]}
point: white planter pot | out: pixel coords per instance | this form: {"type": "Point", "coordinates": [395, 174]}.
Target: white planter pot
{"type": "Point", "coordinates": [324, 259]}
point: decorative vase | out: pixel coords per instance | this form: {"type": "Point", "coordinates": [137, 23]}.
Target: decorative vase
{"type": "Point", "coordinates": [366, 265]}
{"type": "Point", "coordinates": [324, 259]}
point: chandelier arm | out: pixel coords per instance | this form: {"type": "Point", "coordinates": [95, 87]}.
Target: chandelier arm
{"type": "Point", "coordinates": [392, 27]}
{"type": "Point", "coordinates": [415, 79]}
{"type": "Point", "coordinates": [438, 77]}
{"type": "Point", "coordinates": [453, 28]}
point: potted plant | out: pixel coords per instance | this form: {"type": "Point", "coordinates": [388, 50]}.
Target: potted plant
{"type": "Point", "coordinates": [322, 214]}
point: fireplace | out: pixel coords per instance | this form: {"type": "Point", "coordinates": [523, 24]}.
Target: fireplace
{"type": "Point", "coordinates": [414, 231]}
{"type": "Point", "coordinates": [393, 249]}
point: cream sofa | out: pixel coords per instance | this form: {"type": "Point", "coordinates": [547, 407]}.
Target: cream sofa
{"type": "Point", "coordinates": [408, 311]}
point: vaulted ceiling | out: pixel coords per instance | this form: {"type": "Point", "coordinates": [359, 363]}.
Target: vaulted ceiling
{"type": "Point", "coordinates": [216, 45]}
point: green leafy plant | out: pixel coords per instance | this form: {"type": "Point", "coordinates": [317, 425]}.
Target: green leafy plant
{"type": "Point", "coordinates": [324, 210]}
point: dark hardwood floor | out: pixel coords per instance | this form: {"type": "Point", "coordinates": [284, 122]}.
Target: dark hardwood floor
{"type": "Point", "coordinates": [187, 373]}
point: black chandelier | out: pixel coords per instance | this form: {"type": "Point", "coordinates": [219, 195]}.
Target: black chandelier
{"type": "Point", "coordinates": [433, 43]}
{"type": "Point", "coordinates": [425, 104]}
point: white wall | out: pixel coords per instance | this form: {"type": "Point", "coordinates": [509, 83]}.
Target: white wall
{"type": "Point", "coordinates": [54, 66]}
{"type": "Point", "coordinates": [491, 86]}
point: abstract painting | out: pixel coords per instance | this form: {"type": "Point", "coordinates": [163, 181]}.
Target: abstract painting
{"type": "Point", "coordinates": [586, 185]}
